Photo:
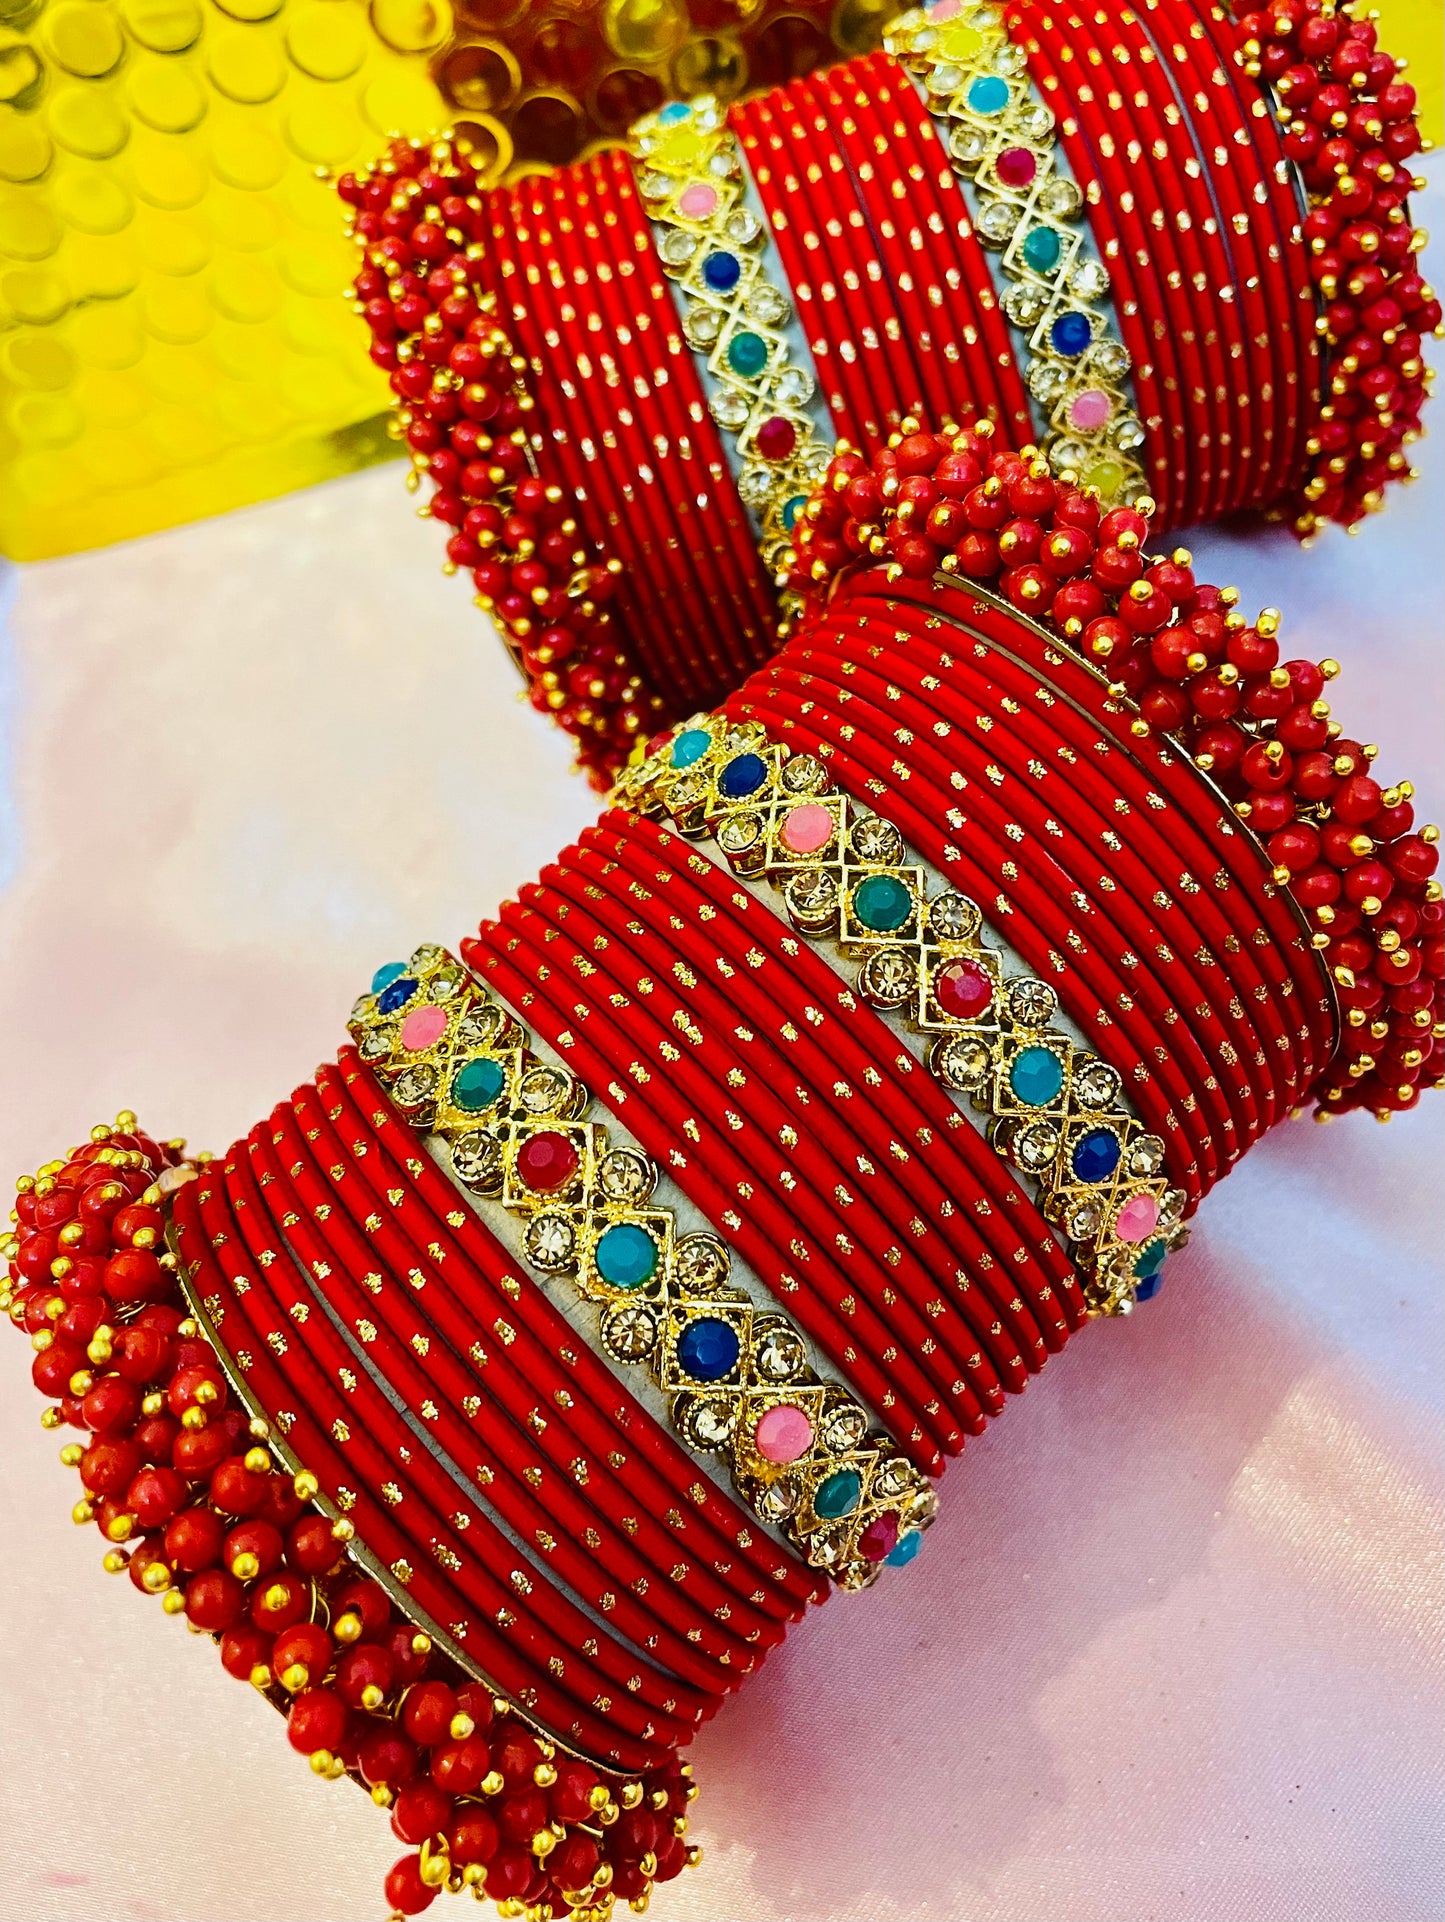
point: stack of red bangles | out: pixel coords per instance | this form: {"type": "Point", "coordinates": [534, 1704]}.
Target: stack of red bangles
{"type": "Point", "coordinates": [498, 1402]}
{"type": "Point", "coordinates": [1170, 246]}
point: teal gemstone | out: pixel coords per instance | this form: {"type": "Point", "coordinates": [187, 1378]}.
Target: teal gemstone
{"type": "Point", "coordinates": [882, 903]}
{"type": "Point", "coordinates": [792, 509]}
{"type": "Point", "coordinates": [747, 354]}
{"type": "Point", "coordinates": [839, 1494]}
{"type": "Point", "coordinates": [477, 1085]}
{"type": "Point", "coordinates": [690, 746]}
{"type": "Point", "coordinates": [908, 1547]}
{"type": "Point", "coordinates": [1152, 1260]}
{"type": "Point", "coordinates": [988, 94]}
{"type": "Point", "coordinates": [385, 975]}
{"type": "Point", "coordinates": [626, 1255]}
{"type": "Point", "coordinates": [1042, 249]}
{"type": "Point", "coordinates": [1036, 1076]}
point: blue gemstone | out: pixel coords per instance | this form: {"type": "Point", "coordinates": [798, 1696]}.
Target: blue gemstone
{"type": "Point", "coordinates": [906, 1549]}
{"type": "Point", "coordinates": [384, 976]}
{"type": "Point", "coordinates": [1148, 1288]}
{"type": "Point", "coordinates": [708, 1349]}
{"type": "Point", "coordinates": [1071, 334]}
{"type": "Point", "coordinates": [721, 271]}
{"type": "Point", "coordinates": [839, 1495]}
{"type": "Point", "coordinates": [396, 994]}
{"type": "Point", "coordinates": [674, 111]}
{"type": "Point", "coordinates": [1036, 1076]}
{"type": "Point", "coordinates": [743, 775]}
{"type": "Point", "coordinates": [792, 509]}
{"type": "Point", "coordinates": [690, 746]}
{"type": "Point", "coordinates": [626, 1255]}
{"type": "Point", "coordinates": [1096, 1155]}
{"type": "Point", "coordinates": [988, 94]}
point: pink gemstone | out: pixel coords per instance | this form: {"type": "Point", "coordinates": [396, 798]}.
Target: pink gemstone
{"type": "Point", "coordinates": [698, 201]}
{"type": "Point", "coordinates": [783, 1434]}
{"type": "Point", "coordinates": [1016, 166]}
{"type": "Point", "coordinates": [807, 828]}
{"type": "Point", "coordinates": [776, 438]}
{"type": "Point", "coordinates": [422, 1027]}
{"type": "Point", "coordinates": [879, 1538]}
{"type": "Point", "coordinates": [945, 10]}
{"type": "Point", "coordinates": [963, 989]}
{"type": "Point", "coordinates": [1137, 1219]}
{"type": "Point", "coordinates": [1090, 410]}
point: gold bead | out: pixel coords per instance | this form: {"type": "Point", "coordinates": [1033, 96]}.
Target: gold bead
{"type": "Point", "coordinates": [257, 1460]}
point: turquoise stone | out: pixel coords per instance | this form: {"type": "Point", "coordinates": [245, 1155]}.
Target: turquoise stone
{"type": "Point", "coordinates": [690, 746]}
{"type": "Point", "coordinates": [792, 509]}
{"type": "Point", "coordinates": [747, 354]}
{"type": "Point", "coordinates": [477, 1085]}
{"type": "Point", "coordinates": [674, 111]}
{"type": "Point", "coordinates": [839, 1494]}
{"type": "Point", "coordinates": [907, 1547]}
{"type": "Point", "coordinates": [882, 903]}
{"type": "Point", "coordinates": [626, 1255]}
{"type": "Point", "coordinates": [1036, 1076]}
{"type": "Point", "coordinates": [988, 94]}
{"type": "Point", "coordinates": [385, 975]}
{"type": "Point", "coordinates": [1042, 249]}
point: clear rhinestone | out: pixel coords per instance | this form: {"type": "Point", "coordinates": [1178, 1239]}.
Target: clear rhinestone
{"type": "Point", "coordinates": [1146, 1155]}
{"type": "Point", "coordinates": [1037, 1145]}
{"type": "Point", "coordinates": [1023, 305]}
{"type": "Point", "coordinates": [922, 1507]}
{"type": "Point", "coordinates": [997, 222]}
{"type": "Point", "coordinates": [889, 977]}
{"type": "Point", "coordinates": [967, 145]}
{"type": "Point", "coordinates": [794, 387]}
{"type": "Point", "coordinates": [653, 185]}
{"type": "Point", "coordinates": [1089, 281]}
{"type": "Point", "coordinates": [415, 1085]}
{"type": "Point", "coordinates": [778, 1351]}
{"type": "Point", "coordinates": [723, 163]}
{"type": "Point", "coordinates": [629, 1331]}
{"type": "Point", "coordinates": [1083, 1222]}
{"type": "Point", "coordinates": [1009, 59]}
{"type": "Point", "coordinates": [1032, 1002]}
{"type": "Point", "coordinates": [778, 1501]}
{"type": "Point", "coordinates": [1128, 434]}
{"type": "Point", "coordinates": [546, 1091]}
{"type": "Point", "coordinates": [375, 1044]}
{"type": "Point", "coordinates": [893, 1477]}
{"type": "Point", "coordinates": [1096, 1085]}
{"type": "Point", "coordinates": [803, 774]}
{"type": "Point", "coordinates": [844, 1428]}
{"type": "Point", "coordinates": [445, 982]}
{"type": "Point", "coordinates": [550, 1240]}
{"type": "Point", "coordinates": [477, 1159]}
{"type": "Point", "coordinates": [428, 955]}
{"type": "Point", "coordinates": [1110, 359]}
{"type": "Point", "coordinates": [1061, 199]}
{"type": "Point", "coordinates": [767, 305]}
{"type": "Point", "coordinates": [755, 485]}
{"type": "Point", "coordinates": [1171, 1208]}
{"type": "Point", "coordinates": [739, 832]}
{"type": "Point", "coordinates": [711, 1422]}
{"type": "Point", "coordinates": [1036, 123]}
{"type": "Point", "coordinates": [943, 78]}
{"type": "Point", "coordinates": [625, 1175]}
{"type": "Point", "coordinates": [687, 792]}
{"type": "Point", "coordinates": [877, 840]}
{"type": "Point", "coordinates": [1067, 453]}
{"type": "Point", "coordinates": [362, 1010]}
{"type": "Point", "coordinates": [1047, 379]}
{"type": "Point", "coordinates": [481, 1026]}
{"type": "Point", "coordinates": [677, 247]}
{"type": "Point", "coordinates": [702, 325]}
{"type": "Point", "coordinates": [742, 227]}
{"type": "Point", "coordinates": [953, 917]}
{"type": "Point", "coordinates": [701, 1262]}
{"type": "Point", "coordinates": [811, 892]}
{"type": "Point", "coordinates": [730, 410]}
{"type": "Point", "coordinates": [963, 1063]}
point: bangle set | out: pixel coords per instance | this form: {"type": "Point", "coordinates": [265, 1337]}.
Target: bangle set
{"type": "Point", "coordinates": [1089, 226]}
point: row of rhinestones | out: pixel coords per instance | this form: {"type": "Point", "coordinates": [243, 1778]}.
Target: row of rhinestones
{"type": "Point", "coordinates": [737, 1379]}
{"type": "Point", "coordinates": [1000, 137]}
{"type": "Point", "coordinates": [1056, 1110]}
{"type": "Point", "coordinates": [735, 311]}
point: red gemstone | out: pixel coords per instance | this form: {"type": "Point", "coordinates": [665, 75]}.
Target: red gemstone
{"type": "Point", "coordinates": [548, 1161]}
{"type": "Point", "coordinates": [1016, 166]}
{"type": "Point", "coordinates": [963, 989]}
{"type": "Point", "coordinates": [879, 1538]}
{"type": "Point", "coordinates": [776, 438]}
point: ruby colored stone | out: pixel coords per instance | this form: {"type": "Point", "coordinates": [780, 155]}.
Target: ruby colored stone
{"type": "Point", "coordinates": [879, 1538]}
{"type": "Point", "coordinates": [698, 201]}
{"type": "Point", "coordinates": [422, 1027]}
{"type": "Point", "coordinates": [547, 1161]}
{"type": "Point", "coordinates": [783, 1434]}
{"type": "Point", "coordinates": [776, 438]}
{"type": "Point", "coordinates": [1137, 1219]}
{"type": "Point", "coordinates": [807, 828]}
{"type": "Point", "coordinates": [963, 989]}
{"type": "Point", "coordinates": [1016, 166]}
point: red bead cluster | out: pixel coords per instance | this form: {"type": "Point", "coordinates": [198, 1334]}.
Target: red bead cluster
{"type": "Point", "coordinates": [196, 1509]}
{"type": "Point", "coordinates": [463, 407]}
{"type": "Point", "coordinates": [1351, 131]}
{"type": "Point", "coordinates": [1196, 670]}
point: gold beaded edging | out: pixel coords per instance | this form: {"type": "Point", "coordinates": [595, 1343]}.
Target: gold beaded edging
{"type": "Point", "coordinates": [690, 175]}
{"type": "Point", "coordinates": [482, 1093]}
{"type": "Point", "coordinates": [976, 85]}
{"type": "Point", "coordinates": [852, 871]}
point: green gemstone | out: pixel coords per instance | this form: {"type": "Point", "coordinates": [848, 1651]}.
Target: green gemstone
{"type": "Point", "coordinates": [477, 1085]}
{"type": "Point", "coordinates": [839, 1494]}
{"type": "Point", "coordinates": [882, 903]}
{"type": "Point", "coordinates": [747, 354]}
{"type": "Point", "coordinates": [1042, 249]}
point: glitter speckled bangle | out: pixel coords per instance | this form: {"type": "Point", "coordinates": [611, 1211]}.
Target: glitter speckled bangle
{"type": "Point", "coordinates": [1000, 138]}
{"type": "Point", "coordinates": [1055, 1109]}
{"type": "Point", "coordinates": [736, 315]}
{"type": "Point", "coordinates": [514, 1127]}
